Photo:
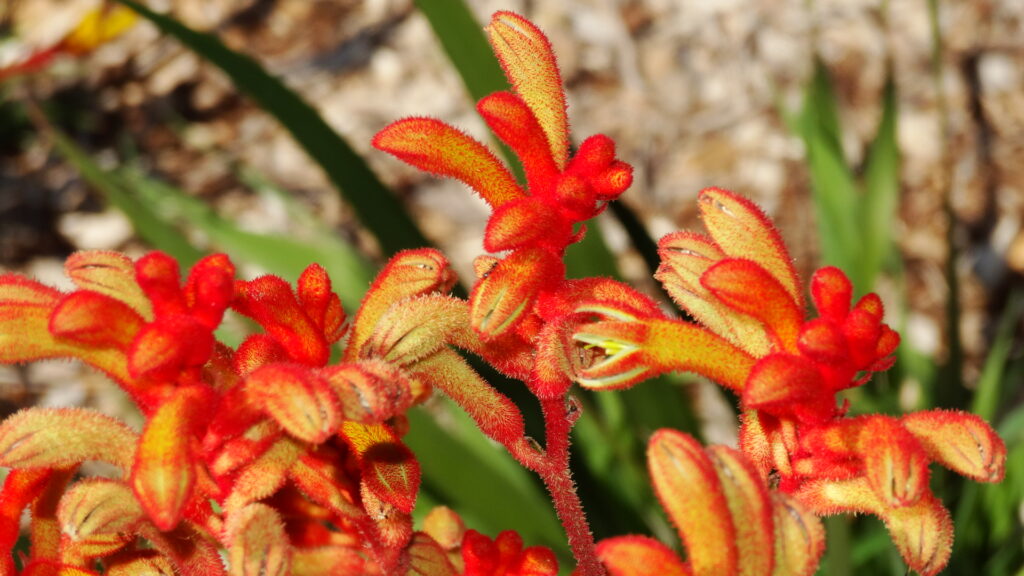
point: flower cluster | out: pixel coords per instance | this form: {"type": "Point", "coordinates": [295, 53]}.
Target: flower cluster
{"type": "Point", "coordinates": [290, 464]}
{"type": "Point", "coordinates": [740, 284]}
{"type": "Point", "coordinates": [285, 454]}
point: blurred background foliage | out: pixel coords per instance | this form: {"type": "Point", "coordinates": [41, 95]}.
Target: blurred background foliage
{"type": "Point", "coordinates": [886, 138]}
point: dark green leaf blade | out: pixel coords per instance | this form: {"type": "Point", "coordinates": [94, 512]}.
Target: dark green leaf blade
{"type": "Point", "coordinates": [372, 202]}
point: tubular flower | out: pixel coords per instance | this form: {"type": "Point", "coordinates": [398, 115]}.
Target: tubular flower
{"type": "Point", "coordinates": [304, 459]}
{"type": "Point", "coordinates": [729, 522]}
{"type": "Point", "coordinates": [533, 224]}
{"type": "Point", "coordinates": [739, 283]}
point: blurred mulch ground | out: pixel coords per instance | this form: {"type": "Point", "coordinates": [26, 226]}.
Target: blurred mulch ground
{"type": "Point", "coordinates": [692, 91]}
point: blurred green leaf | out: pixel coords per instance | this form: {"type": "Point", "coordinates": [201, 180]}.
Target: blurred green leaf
{"type": "Point", "coordinates": [480, 480]}
{"type": "Point", "coordinates": [374, 204]}
{"type": "Point", "coordinates": [834, 189]}
{"type": "Point", "coordinates": [286, 256]}
{"type": "Point", "coordinates": [148, 222]}
{"type": "Point", "coordinates": [463, 39]}
{"type": "Point", "coordinates": [881, 189]}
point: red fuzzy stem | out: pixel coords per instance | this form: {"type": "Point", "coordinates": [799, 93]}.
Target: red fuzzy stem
{"type": "Point", "coordinates": [558, 480]}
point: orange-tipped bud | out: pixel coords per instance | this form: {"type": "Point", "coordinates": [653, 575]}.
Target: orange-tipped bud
{"type": "Point", "coordinates": [369, 392]}
{"type": "Point", "coordinates": [258, 545]}
{"type": "Point", "coordinates": [415, 328]}
{"type": "Point", "coordinates": [63, 438]}
{"type": "Point", "coordinates": [688, 486]}
{"type": "Point", "coordinates": [923, 534]}
{"type": "Point", "coordinates": [962, 442]}
{"type": "Point", "coordinates": [428, 557]}
{"type": "Point", "coordinates": [500, 301]}
{"type": "Point", "coordinates": [639, 556]}
{"type": "Point", "coordinates": [409, 273]}
{"type": "Point", "coordinates": [98, 507]}
{"type": "Point", "coordinates": [436, 147]}
{"type": "Point", "coordinates": [799, 537]}
{"type": "Point", "coordinates": [389, 469]}
{"type": "Point", "coordinates": [748, 288]}
{"type": "Point", "coordinates": [529, 63]}
{"type": "Point", "coordinates": [302, 402]}
{"type": "Point", "coordinates": [895, 464]}
{"type": "Point", "coordinates": [742, 230]}
{"type": "Point", "coordinates": [164, 471]}
{"type": "Point", "coordinates": [109, 273]}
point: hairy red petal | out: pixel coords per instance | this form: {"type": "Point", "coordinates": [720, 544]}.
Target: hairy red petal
{"type": "Point", "coordinates": [94, 319]}
{"type": "Point", "coordinates": [513, 121]}
{"type": "Point", "coordinates": [746, 287]}
{"type": "Point", "coordinates": [321, 304]}
{"type": "Point", "coordinates": [159, 277]}
{"type": "Point", "coordinates": [164, 349]}
{"type": "Point", "coordinates": [639, 556]}
{"type": "Point", "coordinates": [438, 148]}
{"type": "Point", "coordinates": [389, 469]}
{"type": "Point", "coordinates": [529, 63]}
{"type": "Point", "coordinates": [523, 222]}
{"type": "Point", "coordinates": [688, 487]}
{"type": "Point", "coordinates": [269, 300]}
{"type": "Point", "coordinates": [742, 230]}
{"type": "Point", "coordinates": [961, 442]}
{"type": "Point", "coordinates": [209, 289]}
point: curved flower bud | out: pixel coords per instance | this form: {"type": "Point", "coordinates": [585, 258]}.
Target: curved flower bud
{"type": "Point", "coordinates": [640, 556]}
{"type": "Point", "coordinates": [962, 442]}
{"type": "Point", "coordinates": [507, 295]}
{"type": "Point", "coordinates": [409, 273]}
{"type": "Point", "coordinates": [98, 507]}
{"type": "Point", "coordinates": [258, 545]}
{"type": "Point", "coordinates": [742, 230]}
{"type": "Point", "coordinates": [302, 402]}
{"type": "Point", "coordinates": [111, 274]}
{"type": "Point", "coordinates": [62, 438]}
{"type": "Point", "coordinates": [389, 469]}
{"type": "Point", "coordinates": [529, 63]}
{"type": "Point", "coordinates": [689, 489]}
{"type": "Point", "coordinates": [165, 469]}
{"type": "Point", "coordinates": [631, 351]}
{"type": "Point", "coordinates": [436, 147]}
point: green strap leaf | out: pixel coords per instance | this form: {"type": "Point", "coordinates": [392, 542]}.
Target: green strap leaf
{"type": "Point", "coordinates": [372, 202]}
